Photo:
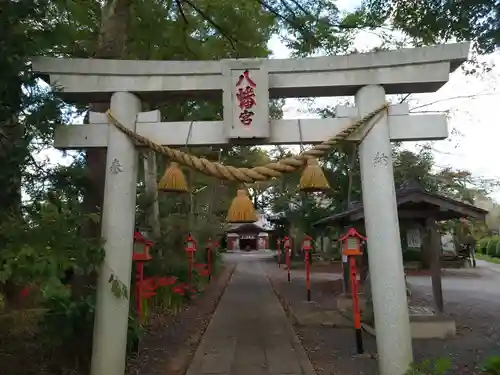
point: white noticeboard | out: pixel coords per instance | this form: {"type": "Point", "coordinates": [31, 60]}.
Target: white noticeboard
{"type": "Point", "coordinates": [413, 238]}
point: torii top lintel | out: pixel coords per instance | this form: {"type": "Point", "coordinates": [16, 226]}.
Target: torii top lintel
{"type": "Point", "coordinates": [412, 70]}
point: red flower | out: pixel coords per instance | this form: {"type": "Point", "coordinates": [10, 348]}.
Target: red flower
{"type": "Point", "coordinates": [166, 281]}
{"type": "Point", "coordinates": [149, 284]}
{"type": "Point", "coordinates": [178, 290]}
{"type": "Point", "coordinates": [204, 273]}
{"type": "Point", "coordinates": [25, 292]}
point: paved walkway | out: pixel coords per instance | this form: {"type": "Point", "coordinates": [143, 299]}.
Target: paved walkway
{"type": "Point", "coordinates": [490, 266]}
{"type": "Point", "coordinates": [249, 334]}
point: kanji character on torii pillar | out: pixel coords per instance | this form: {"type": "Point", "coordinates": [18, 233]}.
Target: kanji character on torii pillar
{"type": "Point", "coordinates": [369, 76]}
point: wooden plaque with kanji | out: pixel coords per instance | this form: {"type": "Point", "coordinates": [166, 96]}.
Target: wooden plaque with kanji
{"type": "Point", "coordinates": [246, 100]}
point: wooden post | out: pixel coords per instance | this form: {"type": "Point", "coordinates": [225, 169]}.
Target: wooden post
{"type": "Point", "coordinates": [287, 247]}
{"type": "Point", "coordinates": [355, 305]}
{"type": "Point", "coordinates": [190, 268]}
{"type": "Point", "coordinates": [346, 274]}
{"type": "Point", "coordinates": [307, 247]}
{"type": "Point", "coordinates": [345, 267]}
{"type": "Point", "coordinates": [288, 263]}
{"type": "Point", "coordinates": [434, 243]}
{"type": "Point", "coordinates": [209, 262]}
{"type": "Point", "coordinates": [139, 277]}
{"type": "Point", "coordinates": [308, 274]}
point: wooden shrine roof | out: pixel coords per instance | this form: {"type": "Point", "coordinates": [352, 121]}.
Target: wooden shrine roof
{"type": "Point", "coordinates": [413, 203]}
{"type": "Point", "coordinates": [247, 228]}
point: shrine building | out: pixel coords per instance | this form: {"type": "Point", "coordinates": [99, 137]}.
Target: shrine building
{"type": "Point", "coordinates": [249, 236]}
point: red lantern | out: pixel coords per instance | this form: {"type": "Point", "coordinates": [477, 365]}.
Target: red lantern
{"type": "Point", "coordinates": [190, 244]}
{"type": "Point", "coordinates": [141, 248]}
{"type": "Point", "coordinates": [287, 244]}
{"type": "Point", "coordinates": [307, 243]}
{"type": "Point", "coordinates": [352, 242]}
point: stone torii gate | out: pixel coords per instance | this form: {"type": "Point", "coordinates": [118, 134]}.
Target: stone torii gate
{"type": "Point", "coordinates": [246, 86]}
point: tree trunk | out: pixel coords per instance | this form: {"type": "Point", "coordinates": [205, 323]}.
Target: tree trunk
{"type": "Point", "coordinates": [153, 211]}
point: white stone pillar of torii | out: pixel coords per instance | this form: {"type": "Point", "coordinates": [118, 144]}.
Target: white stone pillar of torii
{"type": "Point", "coordinates": [246, 86]}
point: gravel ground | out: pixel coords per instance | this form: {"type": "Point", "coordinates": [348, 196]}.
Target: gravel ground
{"type": "Point", "coordinates": [471, 297]}
{"type": "Point", "coordinates": [170, 343]}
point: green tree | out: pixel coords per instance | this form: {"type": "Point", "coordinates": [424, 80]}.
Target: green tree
{"type": "Point", "coordinates": [437, 21]}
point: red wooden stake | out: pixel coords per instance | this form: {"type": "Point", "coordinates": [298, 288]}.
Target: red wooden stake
{"type": "Point", "coordinates": [209, 261]}
{"type": "Point", "coordinates": [190, 268]}
{"type": "Point", "coordinates": [279, 253]}
{"type": "Point", "coordinates": [139, 277]}
{"type": "Point", "coordinates": [355, 304]}
{"type": "Point", "coordinates": [308, 274]}
{"type": "Point", "coordinates": [306, 248]}
{"type": "Point", "coordinates": [287, 246]}
{"type": "Point", "coordinates": [288, 262]}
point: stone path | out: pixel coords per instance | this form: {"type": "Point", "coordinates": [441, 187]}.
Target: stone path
{"type": "Point", "coordinates": [249, 334]}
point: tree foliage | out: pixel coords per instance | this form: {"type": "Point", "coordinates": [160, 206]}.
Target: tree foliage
{"type": "Point", "coordinates": [438, 21]}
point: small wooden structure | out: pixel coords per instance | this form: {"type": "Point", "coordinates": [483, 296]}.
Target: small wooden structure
{"type": "Point", "coordinates": [247, 237]}
{"type": "Point", "coordinates": [418, 211]}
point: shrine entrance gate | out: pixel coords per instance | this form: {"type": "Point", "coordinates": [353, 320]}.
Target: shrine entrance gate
{"type": "Point", "coordinates": [246, 86]}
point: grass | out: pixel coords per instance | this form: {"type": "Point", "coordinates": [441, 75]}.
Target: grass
{"type": "Point", "coordinates": [488, 258]}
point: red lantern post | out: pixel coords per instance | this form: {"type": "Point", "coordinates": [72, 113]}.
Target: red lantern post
{"type": "Point", "coordinates": [140, 256]}
{"type": "Point", "coordinates": [208, 248]}
{"type": "Point", "coordinates": [306, 247]}
{"type": "Point", "coordinates": [278, 243]}
{"type": "Point", "coordinates": [288, 248]}
{"type": "Point", "coordinates": [190, 250]}
{"type": "Point", "coordinates": [352, 248]}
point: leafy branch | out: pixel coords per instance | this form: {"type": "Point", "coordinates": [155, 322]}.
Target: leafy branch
{"type": "Point", "coordinates": [118, 288]}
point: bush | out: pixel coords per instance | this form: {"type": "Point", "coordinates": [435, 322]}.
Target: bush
{"type": "Point", "coordinates": [439, 367]}
{"type": "Point", "coordinates": [497, 250]}
{"type": "Point", "coordinates": [482, 245]}
{"type": "Point", "coordinates": [67, 325]}
{"type": "Point", "coordinates": [442, 365]}
{"type": "Point", "coordinates": [492, 365]}
{"type": "Point", "coordinates": [491, 249]}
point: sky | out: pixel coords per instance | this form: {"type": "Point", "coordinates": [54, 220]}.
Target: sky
{"type": "Point", "coordinates": [470, 102]}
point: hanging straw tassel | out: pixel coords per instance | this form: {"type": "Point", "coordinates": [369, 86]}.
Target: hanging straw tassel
{"type": "Point", "coordinates": [241, 210]}
{"type": "Point", "coordinates": [313, 179]}
{"type": "Point", "coordinates": [173, 180]}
